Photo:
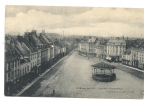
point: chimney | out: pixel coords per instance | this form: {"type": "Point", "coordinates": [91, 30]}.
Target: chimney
{"type": "Point", "coordinates": [34, 32]}
{"type": "Point", "coordinates": [127, 37]}
{"type": "Point", "coordinates": [123, 37]}
{"type": "Point", "coordinates": [43, 31]}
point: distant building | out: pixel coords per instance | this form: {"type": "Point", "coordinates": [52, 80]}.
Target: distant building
{"type": "Point", "coordinates": [91, 49]}
{"type": "Point", "coordinates": [33, 40]}
{"type": "Point", "coordinates": [83, 48]}
{"type": "Point", "coordinates": [127, 58]}
{"type": "Point", "coordinates": [134, 55]}
{"type": "Point", "coordinates": [47, 50]}
{"type": "Point", "coordinates": [141, 59]}
{"type": "Point", "coordinates": [33, 55]}
{"type": "Point", "coordinates": [100, 48]}
{"type": "Point", "coordinates": [115, 48]}
{"type": "Point", "coordinates": [56, 50]}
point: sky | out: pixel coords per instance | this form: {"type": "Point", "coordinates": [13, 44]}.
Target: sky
{"type": "Point", "coordinates": [75, 20]}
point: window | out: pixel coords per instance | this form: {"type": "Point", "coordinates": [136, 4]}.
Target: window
{"type": "Point", "coordinates": [11, 64]}
{"type": "Point", "coordinates": [18, 62]}
{"type": "Point", "coordinates": [7, 66]}
{"type": "Point", "coordinates": [12, 75]}
{"type": "Point", "coordinates": [15, 73]}
{"type": "Point", "coordinates": [14, 64]}
{"type": "Point", "coordinates": [8, 76]}
{"type": "Point", "coordinates": [27, 68]}
{"type": "Point", "coordinates": [23, 71]}
{"type": "Point", "coordinates": [18, 72]}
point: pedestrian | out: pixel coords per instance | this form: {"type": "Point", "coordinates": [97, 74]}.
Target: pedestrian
{"type": "Point", "coordinates": [53, 91]}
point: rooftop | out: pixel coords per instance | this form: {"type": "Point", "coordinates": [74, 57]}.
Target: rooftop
{"type": "Point", "coordinates": [117, 41]}
{"type": "Point", "coordinates": [10, 53]}
{"type": "Point", "coordinates": [44, 39]}
{"type": "Point", "coordinates": [127, 52]}
{"type": "Point", "coordinates": [27, 43]}
{"type": "Point", "coordinates": [103, 65]}
{"type": "Point", "coordinates": [83, 41]}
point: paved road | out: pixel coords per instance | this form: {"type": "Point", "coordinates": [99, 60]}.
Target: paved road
{"type": "Point", "coordinates": [72, 78]}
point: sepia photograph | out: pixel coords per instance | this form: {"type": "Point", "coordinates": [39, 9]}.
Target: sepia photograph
{"type": "Point", "coordinates": [74, 52]}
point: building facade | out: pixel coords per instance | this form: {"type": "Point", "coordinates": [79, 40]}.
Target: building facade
{"type": "Point", "coordinates": [12, 69]}
{"type": "Point", "coordinates": [83, 48]}
{"type": "Point", "coordinates": [115, 48]}
{"type": "Point", "coordinates": [134, 55]}
{"type": "Point", "coordinates": [141, 59]}
{"type": "Point", "coordinates": [127, 58]}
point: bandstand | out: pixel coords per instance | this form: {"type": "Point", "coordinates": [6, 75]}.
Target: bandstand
{"type": "Point", "coordinates": [103, 72]}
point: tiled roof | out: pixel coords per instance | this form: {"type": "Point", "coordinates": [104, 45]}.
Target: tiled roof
{"type": "Point", "coordinates": [82, 41]}
{"type": "Point", "coordinates": [116, 41]}
{"type": "Point", "coordinates": [129, 43]}
{"type": "Point", "coordinates": [59, 43]}
{"type": "Point", "coordinates": [43, 39]}
{"type": "Point", "coordinates": [48, 38]}
{"type": "Point", "coordinates": [27, 43]}
{"type": "Point", "coordinates": [22, 49]}
{"type": "Point", "coordinates": [127, 52]}
{"type": "Point", "coordinates": [67, 43]}
{"type": "Point", "coordinates": [103, 42]}
{"type": "Point", "coordinates": [36, 40]}
{"type": "Point", "coordinates": [91, 40]}
{"type": "Point", "coordinates": [139, 44]}
{"type": "Point", "coordinates": [141, 51]}
{"type": "Point", "coordinates": [97, 43]}
{"type": "Point", "coordinates": [10, 53]}
{"type": "Point", "coordinates": [135, 49]}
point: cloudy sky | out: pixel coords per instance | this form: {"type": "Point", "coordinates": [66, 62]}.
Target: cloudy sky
{"type": "Point", "coordinates": [75, 20]}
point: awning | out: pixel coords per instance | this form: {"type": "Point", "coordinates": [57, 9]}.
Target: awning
{"type": "Point", "coordinates": [108, 58]}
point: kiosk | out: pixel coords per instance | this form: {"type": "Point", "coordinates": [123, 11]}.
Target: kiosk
{"type": "Point", "coordinates": [103, 72]}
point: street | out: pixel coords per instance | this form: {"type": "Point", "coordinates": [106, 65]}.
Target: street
{"type": "Point", "coordinates": [72, 77]}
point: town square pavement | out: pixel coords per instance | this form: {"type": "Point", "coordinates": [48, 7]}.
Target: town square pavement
{"type": "Point", "coordinates": [72, 77]}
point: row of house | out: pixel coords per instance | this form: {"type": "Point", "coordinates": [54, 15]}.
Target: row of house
{"type": "Point", "coordinates": [133, 57]}
{"type": "Point", "coordinates": [28, 56]}
{"type": "Point", "coordinates": [114, 49]}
